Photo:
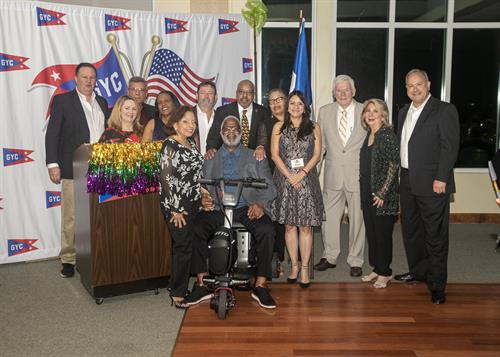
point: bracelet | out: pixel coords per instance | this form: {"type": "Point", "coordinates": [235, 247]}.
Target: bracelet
{"type": "Point", "coordinates": [304, 171]}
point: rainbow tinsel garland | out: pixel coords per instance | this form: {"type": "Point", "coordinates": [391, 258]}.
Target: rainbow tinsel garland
{"type": "Point", "coordinates": [128, 168]}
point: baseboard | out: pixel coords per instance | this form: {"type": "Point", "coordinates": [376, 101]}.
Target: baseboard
{"type": "Point", "coordinates": [490, 218]}
{"type": "Point", "coordinates": [466, 218]}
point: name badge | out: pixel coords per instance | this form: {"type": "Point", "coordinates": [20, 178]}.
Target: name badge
{"type": "Point", "coordinates": [297, 163]}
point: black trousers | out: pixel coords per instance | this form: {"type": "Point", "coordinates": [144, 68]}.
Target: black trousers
{"type": "Point", "coordinates": [279, 241]}
{"type": "Point", "coordinates": [262, 230]}
{"type": "Point", "coordinates": [182, 250]}
{"type": "Point", "coordinates": [379, 235]}
{"type": "Point", "coordinates": [425, 227]}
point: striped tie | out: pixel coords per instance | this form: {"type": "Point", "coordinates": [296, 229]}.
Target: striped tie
{"type": "Point", "coordinates": [245, 131]}
{"type": "Point", "coordinates": [343, 127]}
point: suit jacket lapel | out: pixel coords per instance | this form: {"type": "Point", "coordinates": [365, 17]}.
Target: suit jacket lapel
{"type": "Point", "coordinates": [357, 123]}
{"type": "Point", "coordinates": [425, 113]}
{"type": "Point", "coordinates": [81, 119]}
{"type": "Point", "coordinates": [254, 124]}
{"type": "Point", "coordinates": [334, 123]}
{"type": "Point", "coordinates": [402, 114]}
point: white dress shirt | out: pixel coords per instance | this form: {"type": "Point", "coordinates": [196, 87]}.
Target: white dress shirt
{"type": "Point", "coordinates": [204, 125]}
{"type": "Point", "coordinates": [94, 116]}
{"type": "Point", "coordinates": [408, 126]}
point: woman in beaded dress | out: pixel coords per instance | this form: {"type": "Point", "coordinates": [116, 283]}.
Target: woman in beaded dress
{"type": "Point", "coordinates": [379, 184]}
{"type": "Point", "coordinates": [296, 149]}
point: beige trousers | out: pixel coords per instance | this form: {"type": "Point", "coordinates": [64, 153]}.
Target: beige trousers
{"type": "Point", "coordinates": [67, 253]}
{"type": "Point", "coordinates": [335, 201]}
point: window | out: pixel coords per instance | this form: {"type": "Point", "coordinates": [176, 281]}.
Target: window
{"type": "Point", "coordinates": [474, 90]}
{"type": "Point", "coordinates": [422, 48]}
{"type": "Point", "coordinates": [421, 10]}
{"type": "Point", "coordinates": [279, 43]}
{"type": "Point", "coordinates": [363, 10]}
{"type": "Point", "coordinates": [279, 10]}
{"type": "Point", "coordinates": [477, 11]}
{"type": "Point", "coordinates": [378, 42]}
{"type": "Point", "coordinates": [278, 56]}
{"type": "Point", "coordinates": [361, 53]}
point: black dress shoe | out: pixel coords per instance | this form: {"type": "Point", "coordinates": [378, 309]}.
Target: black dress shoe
{"type": "Point", "coordinates": [438, 297]}
{"type": "Point", "coordinates": [356, 272]}
{"type": "Point", "coordinates": [323, 264]}
{"type": "Point", "coordinates": [405, 278]}
{"type": "Point", "coordinates": [68, 270]}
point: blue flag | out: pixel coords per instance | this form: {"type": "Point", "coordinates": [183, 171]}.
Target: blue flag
{"type": "Point", "coordinates": [300, 75]}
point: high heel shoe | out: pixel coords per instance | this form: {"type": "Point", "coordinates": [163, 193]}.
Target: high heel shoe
{"type": "Point", "coordinates": [179, 304]}
{"type": "Point", "coordinates": [305, 269]}
{"type": "Point", "coordinates": [382, 284]}
{"type": "Point", "coordinates": [293, 280]}
{"type": "Point", "coordinates": [370, 277]}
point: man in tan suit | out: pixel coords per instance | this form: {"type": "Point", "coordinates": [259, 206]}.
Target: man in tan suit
{"type": "Point", "coordinates": [342, 138]}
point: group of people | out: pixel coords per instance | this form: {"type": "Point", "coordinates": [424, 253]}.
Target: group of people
{"type": "Point", "coordinates": [367, 165]}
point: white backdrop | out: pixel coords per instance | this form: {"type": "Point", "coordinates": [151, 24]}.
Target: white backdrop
{"type": "Point", "coordinates": [40, 45]}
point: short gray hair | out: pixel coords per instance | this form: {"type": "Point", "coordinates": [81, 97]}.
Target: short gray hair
{"type": "Point", "coordinates": [417, 71]}
{"type": "Point", "coordinates": [227, 118]}
{"type": "Point", "coordinates": [344, 78]}
{"type": "Point", "coordinates": [137, 79]}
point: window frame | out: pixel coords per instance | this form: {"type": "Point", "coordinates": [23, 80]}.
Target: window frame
{"type": "Point", "coordinates": [449, 26]}
{"type": "Point", "coordinates": [289, 25]}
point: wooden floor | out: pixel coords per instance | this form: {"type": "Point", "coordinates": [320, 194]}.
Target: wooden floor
{"type": "Point", "coordinates": [350, 319]}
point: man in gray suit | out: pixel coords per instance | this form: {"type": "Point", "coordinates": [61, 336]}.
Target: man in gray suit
{"type": "Point", "coordinates": [342, 138]}
{"type": "Point", "coordinates": [235, 161]}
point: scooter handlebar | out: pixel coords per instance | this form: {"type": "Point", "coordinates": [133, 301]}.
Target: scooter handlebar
{"type": "Point", "coordinates": [247, 182]}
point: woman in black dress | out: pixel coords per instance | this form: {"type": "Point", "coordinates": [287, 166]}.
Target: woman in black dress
{"type": "Point", "coordinates": [181, 165]}
{"type": "Point", "coordinates": [123, 123]}
{"type": "Point", "coordinates": [166, 104]}
{"type": "Point", "coordinates": [379, 169]}
{"type": "Point", "coordinates": [277, 100]}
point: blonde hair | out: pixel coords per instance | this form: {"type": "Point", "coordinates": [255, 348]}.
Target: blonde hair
{"type": "Point", "coordinates": [381, 107]}
{"type": "Point", "coordinates": [114, 120]}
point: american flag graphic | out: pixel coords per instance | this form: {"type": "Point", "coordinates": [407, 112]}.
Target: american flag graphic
{"type": "Point", "coordinates": [170, 72]}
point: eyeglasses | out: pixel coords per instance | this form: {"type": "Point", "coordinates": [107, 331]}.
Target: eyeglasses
{"type": "Point", "coordinates": [276, 100]}
{"type": "Point", "coordinates": [140, 90]}
{"type": "Point", "coordinates": [234, 129]}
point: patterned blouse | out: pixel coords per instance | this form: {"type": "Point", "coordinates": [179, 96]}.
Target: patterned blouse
{"type": "Point", "coordinates": [180, 171]}
{"type": "Point", "coordinates": [112, 135]}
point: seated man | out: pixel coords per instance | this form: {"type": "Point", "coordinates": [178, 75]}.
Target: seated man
{"type": "Point", "coordinates": [234, 161]}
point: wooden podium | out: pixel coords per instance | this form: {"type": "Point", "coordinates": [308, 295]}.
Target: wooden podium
{"type": "Point", "coordinates": [122, 246]}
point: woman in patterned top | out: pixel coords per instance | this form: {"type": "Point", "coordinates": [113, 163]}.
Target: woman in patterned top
{"type": "Point", "coordinates": [123, 123]}
{"type": "Point", "coordinates": [181, 165]}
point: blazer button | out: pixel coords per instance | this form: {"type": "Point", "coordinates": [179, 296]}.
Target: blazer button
{"type": "Point", "coordinates": [343, 151]}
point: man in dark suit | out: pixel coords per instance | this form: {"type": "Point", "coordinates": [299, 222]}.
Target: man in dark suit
{"type": "Point", "coordinates": [247, 111]}
{"type": "Point", "coordinates": [234, 161]}
{"type": "Point", "coordinates": [76, 117]}
{"type": "Point", "coordinates": [428, 130]}
{"type": "Point", "coordinates": [138, 91]}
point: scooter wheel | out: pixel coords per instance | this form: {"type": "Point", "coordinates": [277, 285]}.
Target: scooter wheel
{"type": "Point", "coordinates": [222, 305]}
